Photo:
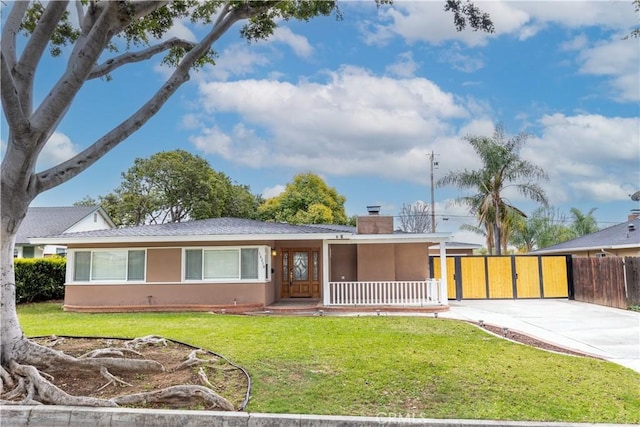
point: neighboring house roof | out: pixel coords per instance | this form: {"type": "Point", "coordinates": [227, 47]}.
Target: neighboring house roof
{"type": "Point", "coordinates": [620, 236]}
{"type": "Point", "coordinates": [51, 221]}
{"type": "Point", "coordinates": [224, 229]}
{"type": "Point", "coordinates": [458, 245]}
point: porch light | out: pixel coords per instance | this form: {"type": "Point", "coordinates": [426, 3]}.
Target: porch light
{"type": "Point", "coordinates": [274, 252]}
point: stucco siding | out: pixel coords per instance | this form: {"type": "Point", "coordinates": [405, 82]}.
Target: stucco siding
{"type": "Point", "coordinates": [344, 263]}
{"type": "Point", "coordinates": [412, 261]}
{"type": "Point", "coordinates": [376, 262]}
{"type": "Point", "coordinates": [164, 265]}
{"type": "Point", "coordinates": [164, 295]}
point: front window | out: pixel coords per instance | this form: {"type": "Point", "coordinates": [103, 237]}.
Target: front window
{"type": "Point", "coordinates": [109, 266]}
{"type": "Point", "coordinates": [224, 264]}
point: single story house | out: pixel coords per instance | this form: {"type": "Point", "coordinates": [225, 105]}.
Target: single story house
{"type": "Point", "coordinates": [240, 264]}
{"type": "Point", "coordinates": [619, 240]}
{"type": "Point", "coordinates": [51, 221]}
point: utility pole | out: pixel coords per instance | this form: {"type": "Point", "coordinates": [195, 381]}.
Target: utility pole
{"type": "Point", "coordinates": [433, 164]}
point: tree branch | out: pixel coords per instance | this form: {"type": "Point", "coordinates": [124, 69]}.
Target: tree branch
{"type": "Point", "coordinates": [10, 100]}
{"type": "Point", "coordinates": [25, 69]}
{"type": "Point", "coordinates": [72, 167]}
{"type": "Point", "coordinates": [10, 30]}
{"type": "Point", "coordinates": [79, 12]}
{"type": "Point", "coordinates": [131, 57]}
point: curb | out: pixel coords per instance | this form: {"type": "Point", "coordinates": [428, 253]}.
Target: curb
{"type": "Point", "coordinates": [72, 416]}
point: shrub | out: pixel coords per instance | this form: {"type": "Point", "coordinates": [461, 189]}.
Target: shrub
{"type": "Point", "coordinates": [39, 279]}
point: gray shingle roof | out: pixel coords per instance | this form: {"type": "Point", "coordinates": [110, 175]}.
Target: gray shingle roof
{"type": "Point", "coordinates": [618, 235]}
{"type": "Point", "coordinates": [205, 227]}
{"type": "Point", "coordinates": [49, 221]}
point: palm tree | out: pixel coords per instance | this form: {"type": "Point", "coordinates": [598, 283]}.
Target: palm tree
{"type": "Point", "coordinates": [583, 224]}
{"type": "Point", "coordinates": [502, 169]}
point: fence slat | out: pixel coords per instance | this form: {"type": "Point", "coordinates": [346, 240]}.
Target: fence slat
{"type": "Point", "coordinates": [602, 280]}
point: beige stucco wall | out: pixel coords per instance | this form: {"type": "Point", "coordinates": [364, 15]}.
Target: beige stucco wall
{"type": "Point", "coordinates": [412, 261]}
{"type": "Point", "coordinates": [376, 262]}
{"type": "Point", "coordinates": [344, 263]}
{"type": "Point", "coordinates": [617, 252]}
{"type": "Point", "coordinates": [164, 265]}
{"type": "Point", "coordinates": [164, 295]}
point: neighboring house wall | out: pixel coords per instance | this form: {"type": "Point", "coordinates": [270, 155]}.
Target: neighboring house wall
{"type": "Point", "coordinates": [609, 252]}
{"type": "Point", "coordinates": [95, 221]}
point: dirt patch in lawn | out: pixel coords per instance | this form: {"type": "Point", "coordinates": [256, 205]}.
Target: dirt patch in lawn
{"type": "Point", "coordinates": [225, 378]}
{"type": "Point", "coordinates": [531, 341]}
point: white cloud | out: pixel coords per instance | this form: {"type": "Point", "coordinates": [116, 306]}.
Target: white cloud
{"type": "Point", "coordinates": [459, 61]}
{"type": "Point", "coordinates": [59, 148]}
{"type": "Point", "coordinates": [354, 123]}
{"type": "Point", "coordinates": [587, 156]}
{"type": "Point", "coordinates": [274, 191]}
{"type": "Point", "coordinates": [237, 60]}
{"type": "Point", "coordinates": [619, 59]}
{"type": "Point", "coordinates": [427, 21]}
{"type": "Point", "coordinates": [299, 44]}
{"type": "Point", "coordinates": [404, 66]}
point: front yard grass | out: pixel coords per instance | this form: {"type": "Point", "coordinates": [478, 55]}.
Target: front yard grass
{"type": "Point", "coordinates": [380, 366]}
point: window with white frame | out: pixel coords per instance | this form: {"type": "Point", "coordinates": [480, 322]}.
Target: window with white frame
{"type": "Point", "coordinates": [109, 265]}
{"type": "Point", "coordinates": [226, 264]}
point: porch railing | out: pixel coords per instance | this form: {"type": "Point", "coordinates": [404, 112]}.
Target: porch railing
{"type": "Point", "coordinates": [399, 293]}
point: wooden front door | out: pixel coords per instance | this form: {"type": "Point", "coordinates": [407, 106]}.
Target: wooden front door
{"type": "Point", "coordinates": [300, 273]}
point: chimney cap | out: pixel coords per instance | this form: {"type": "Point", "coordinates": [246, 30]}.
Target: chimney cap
{"type": "Point", "coordinates": [373, 209]}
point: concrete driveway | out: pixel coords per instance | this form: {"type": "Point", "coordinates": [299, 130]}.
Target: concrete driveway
{"type": "Point", "coordinates": [610, 333]}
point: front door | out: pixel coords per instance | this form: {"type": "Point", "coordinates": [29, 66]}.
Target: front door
{"type": "Point", "coordinates": [300, 273]}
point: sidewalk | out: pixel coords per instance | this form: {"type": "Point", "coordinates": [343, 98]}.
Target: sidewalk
{"type": "Point", "coordinates": [610, 333]}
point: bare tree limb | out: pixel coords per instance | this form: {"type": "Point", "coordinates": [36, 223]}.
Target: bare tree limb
{"type": "Point", "coordinates": [25, 69]}
{"type": "Point", "coordinates": [72, 167]}
{"type": "Point", "coordinates": [10, 100]}
{"type": "Point", "coordinates": [9, 32]}
{"type": "Point", "coordinates": [79, 12]}
{"type": "Point", "coordinates": [85, 54]}
{"type": "Point", "coordinates": [131, 57]}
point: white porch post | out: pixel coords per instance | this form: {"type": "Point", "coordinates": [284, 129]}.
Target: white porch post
{"type": "Point", "coordinates": [444, 290]}
{"type": "Point", "coordinates": [325, 273]}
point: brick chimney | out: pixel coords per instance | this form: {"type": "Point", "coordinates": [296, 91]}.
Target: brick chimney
{"type": "Point", "coordinates": [374, 223]}
{"type": "Point", "coordinates": [633, 216]}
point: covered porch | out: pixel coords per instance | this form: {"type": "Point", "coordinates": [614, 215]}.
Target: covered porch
{"type": "Point", "coordinates": [390, 270]}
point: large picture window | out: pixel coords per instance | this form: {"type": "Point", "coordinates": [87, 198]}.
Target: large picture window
{"type": "Point", "coordinates": [109, 266]}
{"type": "Point", "coordinates": [225, 264]}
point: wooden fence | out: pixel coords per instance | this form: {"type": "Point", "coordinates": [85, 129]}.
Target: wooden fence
{"type": "Point", "coordinates": [610, 281]}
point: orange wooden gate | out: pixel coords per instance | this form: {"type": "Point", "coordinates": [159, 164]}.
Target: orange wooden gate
{"type": "Point", "coordinates": [500, 277]}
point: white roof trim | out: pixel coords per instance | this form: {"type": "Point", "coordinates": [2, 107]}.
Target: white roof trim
{"type": "Point", "coordinates": [336, 237]}
{"type": "Point", "coordinates": [584, 249]}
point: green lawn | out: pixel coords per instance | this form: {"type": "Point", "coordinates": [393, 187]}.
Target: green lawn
{"type": "Point", "coordinates": [407, 366]}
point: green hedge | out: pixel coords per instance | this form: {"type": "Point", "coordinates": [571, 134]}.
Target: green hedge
{"type": "Point", "coordinates": [39, 279]}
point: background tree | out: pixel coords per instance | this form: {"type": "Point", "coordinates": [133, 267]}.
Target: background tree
{"type": "Point", "coordinates": [305, 200]}
{"type": "Point", "coordinates": [415, 218]}
{"type": "Point", "coordinates": [547, 226]}
{"type": "Point", "coordinates": [583, 224]}
{"type": "Point", "coordinates": [174, 186]}
{"type": "Point", "coordinates": [91, 43]}
{"type": "Point", "coordinates": [503, 168]}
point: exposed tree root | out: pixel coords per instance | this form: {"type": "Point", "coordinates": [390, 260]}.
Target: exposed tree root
{"type": "Point", "coordinates": [194, 360]}
{"type": "Point", "coordinates": [25, 382]}
{"type": "Point", "coordinates": [112, 379]}
{"type": "Point", "coordinates": [177, 395]}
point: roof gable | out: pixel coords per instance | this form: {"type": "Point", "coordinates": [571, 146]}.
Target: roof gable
{"type": "Point", "coordinates": [50, 221]}
{"type": "Point", "coordinates": [619, 235]}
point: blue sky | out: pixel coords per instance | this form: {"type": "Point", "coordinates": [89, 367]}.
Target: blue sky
{"type": "Point", "coordinates": [362, 102]}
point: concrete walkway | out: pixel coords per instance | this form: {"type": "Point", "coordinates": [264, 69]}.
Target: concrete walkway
{"type": "Point", "coordinates": [610, 333]}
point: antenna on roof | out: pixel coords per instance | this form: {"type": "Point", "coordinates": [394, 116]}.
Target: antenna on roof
{"type": "Point", "coordinates": [635, 196]}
